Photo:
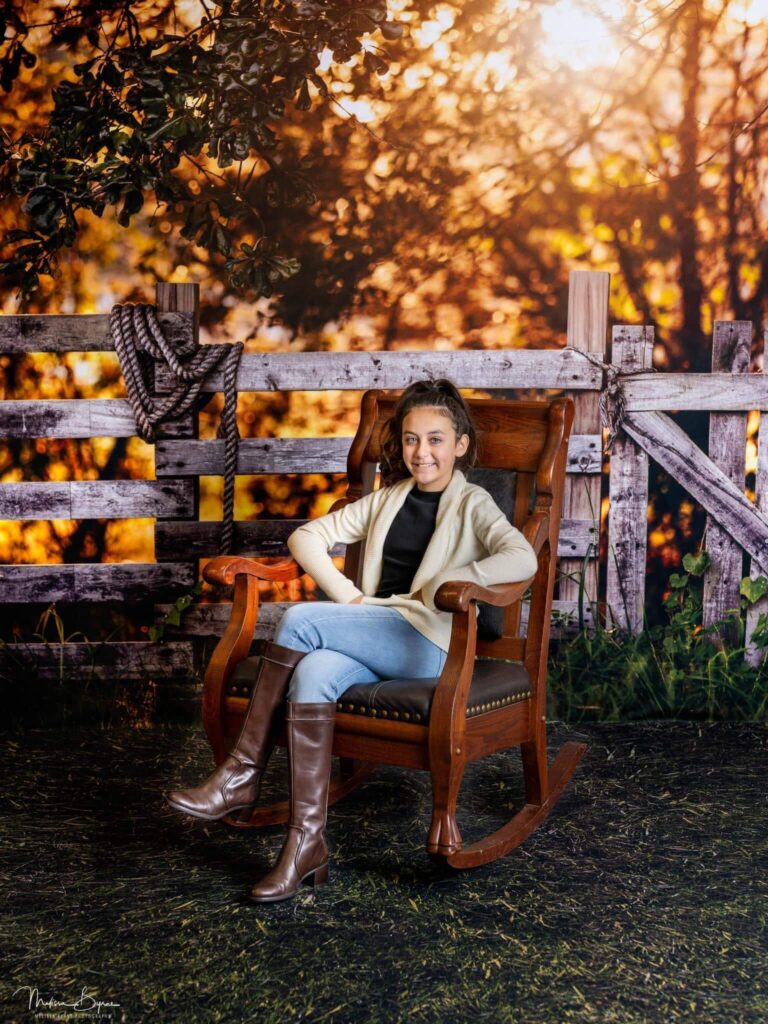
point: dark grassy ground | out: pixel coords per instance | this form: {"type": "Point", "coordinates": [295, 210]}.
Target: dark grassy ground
{"type": "Point", "coordinates": [641, 899]}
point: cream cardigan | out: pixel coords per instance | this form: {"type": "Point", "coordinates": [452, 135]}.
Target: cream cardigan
{"type": "Point", "coordinates": [473, 541]}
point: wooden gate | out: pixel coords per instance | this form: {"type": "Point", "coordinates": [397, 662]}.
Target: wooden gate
{"type": "Point", "coordinates": [181, 457]}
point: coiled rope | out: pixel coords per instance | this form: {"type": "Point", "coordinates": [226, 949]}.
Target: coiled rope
{"type": "Point", "coordinates": [139, 343]}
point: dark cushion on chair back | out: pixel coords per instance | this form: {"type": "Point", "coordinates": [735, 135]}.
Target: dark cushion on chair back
{"type": "Point", "coordinates": [500, 484]}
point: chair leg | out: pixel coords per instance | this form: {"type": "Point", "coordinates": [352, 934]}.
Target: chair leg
{"type": "Point", "coordinates": [444, 836]}
{"type": "Point", "coordinates": [535, 768]}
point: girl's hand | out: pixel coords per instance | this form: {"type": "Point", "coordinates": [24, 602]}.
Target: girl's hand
{"type": "Point", "coordinates": [357, 600]}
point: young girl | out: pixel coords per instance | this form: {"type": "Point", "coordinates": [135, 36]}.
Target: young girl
{"type": "Point", "coordinates": [425, 525]}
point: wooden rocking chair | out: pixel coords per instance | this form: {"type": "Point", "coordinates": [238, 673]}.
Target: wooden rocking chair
{"type": "Point", "coordinates": [475, 708]}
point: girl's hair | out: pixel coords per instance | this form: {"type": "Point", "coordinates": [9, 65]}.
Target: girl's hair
{"type": "Point", "coordinates": [433, 394]}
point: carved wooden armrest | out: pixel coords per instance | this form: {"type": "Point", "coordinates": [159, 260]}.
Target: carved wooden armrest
{"type": "Point", "coordinates": [455, 596]}
{"type": "Point", "coordinates": [225, 568]}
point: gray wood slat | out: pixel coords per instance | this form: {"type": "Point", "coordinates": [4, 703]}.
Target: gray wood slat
{"type": "Point", "coordinates": [75, 417]}
{"type": "Point", "coordinates": [212, 619]}
{"type": "Point", "coordinates": [587, 332]}
{"type": "Point", "coordinates": [97, 499]}
{"type": "Point", "coordinates": [356, 371]}
{"type": "Point", "coordinates": [133, 660]}
{"type": "Point", "coordinates": [753, 654]}
{"type": "Point", "coordinates": [731, 344]}
{"type": "Point", "coordinates": [78, 332]}
{"type": "Point", "coordinates": [101, 582]}
{"type": "Point", "coordinates": [309, 455]}
{"type": "Point", "coordinates": [666, 442]}
{"type": "Point", "coordinates": [709, 392]}
{"type": "Point", "coordinates": [267, 537]}
{"type": "Point", "coordinates": [628, 492]}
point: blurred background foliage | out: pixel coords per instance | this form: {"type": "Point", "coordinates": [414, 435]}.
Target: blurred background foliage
{"type": "Point", "coordinates": [338, 176]}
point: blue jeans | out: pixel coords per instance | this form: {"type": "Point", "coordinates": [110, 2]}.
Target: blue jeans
{"type": "Point", "coordinates": [352, 643]}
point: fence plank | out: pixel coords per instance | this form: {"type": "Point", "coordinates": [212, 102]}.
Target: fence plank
{"type": "Point", "coordinates": [309, 455]}
{"type": "Point", "coordinates": [587, 329]}
{"type": "Point", "coordinates": [754, 655]}
{"type": "Point", "coordinates": [79, 332]}
{"type": "Point", "coordinates": [123, 581]}
{"type": "Point", "coordinates": [731, 344]}
{"type": "Point", "coordinates": [356, 371]}
{"type": "Point", "coordinates": [628, 493]}
{"type": "Point", "coordinates": [267, 537]}
{"type": "Point", "coordinates": [76, 417]}
{"type": "Point", "coordinates": [673, 449]}
{"type": "Point", "coordinates": [97, 499]}
{"type": "Point", "coordinates": [126, 661]}
{"type": "Point", "coordinates": [710, 392]}
{"type": "Point", "coordinates": [212, 619]}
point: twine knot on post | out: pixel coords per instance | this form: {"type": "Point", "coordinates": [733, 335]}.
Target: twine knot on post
{"type": "Point", "coordinates": [140, 344]}
{"type": "Point", "coordinates": [612, 407]}
{"type": "Point", "coordinates": [612, 399]}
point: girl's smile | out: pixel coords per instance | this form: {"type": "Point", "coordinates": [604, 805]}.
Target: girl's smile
{"type": "Point", "coordinates": [430, 447]}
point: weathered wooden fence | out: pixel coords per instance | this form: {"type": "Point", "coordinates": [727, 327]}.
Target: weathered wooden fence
{"type": "Point", "coordinates": [181, 458]}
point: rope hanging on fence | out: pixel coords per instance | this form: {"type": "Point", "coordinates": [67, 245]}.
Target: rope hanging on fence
{"type": "Point", "coordinates": [612, 404]}
{"type": "Point", "coordinates": [136, 330]}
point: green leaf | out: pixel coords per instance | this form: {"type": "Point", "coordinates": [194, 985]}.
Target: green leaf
{"type": "Point", "coordinates": [696, 564]}
{"type": "Point", "coordinates": [677, 582]}
{"type": "Point", "coordinates": [753, 589]}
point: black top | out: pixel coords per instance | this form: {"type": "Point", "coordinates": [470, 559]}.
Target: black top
{"type": "Point", "coordinates": [406, 541]}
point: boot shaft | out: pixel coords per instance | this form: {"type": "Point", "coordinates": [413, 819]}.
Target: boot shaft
{"type": "Point", "coordinates": [309, 729]}
{"type": "Point", "coordinates": [263, 718]}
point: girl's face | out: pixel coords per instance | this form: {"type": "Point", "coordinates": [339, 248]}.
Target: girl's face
{"type": "Point", "coordinates": [431, 447]}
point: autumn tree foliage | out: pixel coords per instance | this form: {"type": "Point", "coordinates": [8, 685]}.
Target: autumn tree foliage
{"type": "Point", "coordinates": [407, 174]}
{"type": "Point", "coordinates": [309, 151]}
{"type": "Point", "coordinates": [152, 93]}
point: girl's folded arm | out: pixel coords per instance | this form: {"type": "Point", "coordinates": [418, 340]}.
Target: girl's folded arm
{"type": "Point", "coordinates": [311, 543]}
{"type": "Point", "coordinates": [510, 557]}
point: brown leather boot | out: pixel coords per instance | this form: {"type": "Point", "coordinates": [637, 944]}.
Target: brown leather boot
{"type": "Point", "coordinates": [304, 855]}
{"type": "Point", "coordinates": [234, 785]}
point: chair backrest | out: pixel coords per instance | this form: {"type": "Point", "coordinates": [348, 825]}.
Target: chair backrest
{"type": "Point", "coordinates": [527, 439]}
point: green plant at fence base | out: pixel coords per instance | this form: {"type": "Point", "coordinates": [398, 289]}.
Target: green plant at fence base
{"type": "Point", "coordinates": [74, 692]}
{"type": "Point", "coordinates": [69, 692]}
{"type": "Point", "coordinates": [678, 669]}
{"type": "Point", "coordinates": [173, 618]}
{"type": "Point", "coordinates": [22, 660]}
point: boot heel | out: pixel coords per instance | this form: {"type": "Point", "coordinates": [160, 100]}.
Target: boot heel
{"type": "Point", "coordinates": [319, 876]}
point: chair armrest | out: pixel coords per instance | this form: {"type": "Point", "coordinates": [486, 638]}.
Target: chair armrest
{"type": "Point", "coordinates": [225, 568]}
{"type": "Point", "coordinates": [455, 596]}
{"type": "Point", "coordinates": [536, 529]}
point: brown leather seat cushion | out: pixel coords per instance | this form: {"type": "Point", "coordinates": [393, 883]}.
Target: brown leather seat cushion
{"type": "Point", "coordinates": [495, 684]}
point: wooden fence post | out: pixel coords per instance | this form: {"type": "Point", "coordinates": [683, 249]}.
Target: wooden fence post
{"type": "Point", "coordinates": [632, 349]}
{"type": "Point", "coordinates": [587, 328]}
{"type": "Point", "coordinates": [753, 654]}
{"type": "Point", "coordinates": [180, 298]}
{"type": "Point", "coordinates": [731, 343]}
